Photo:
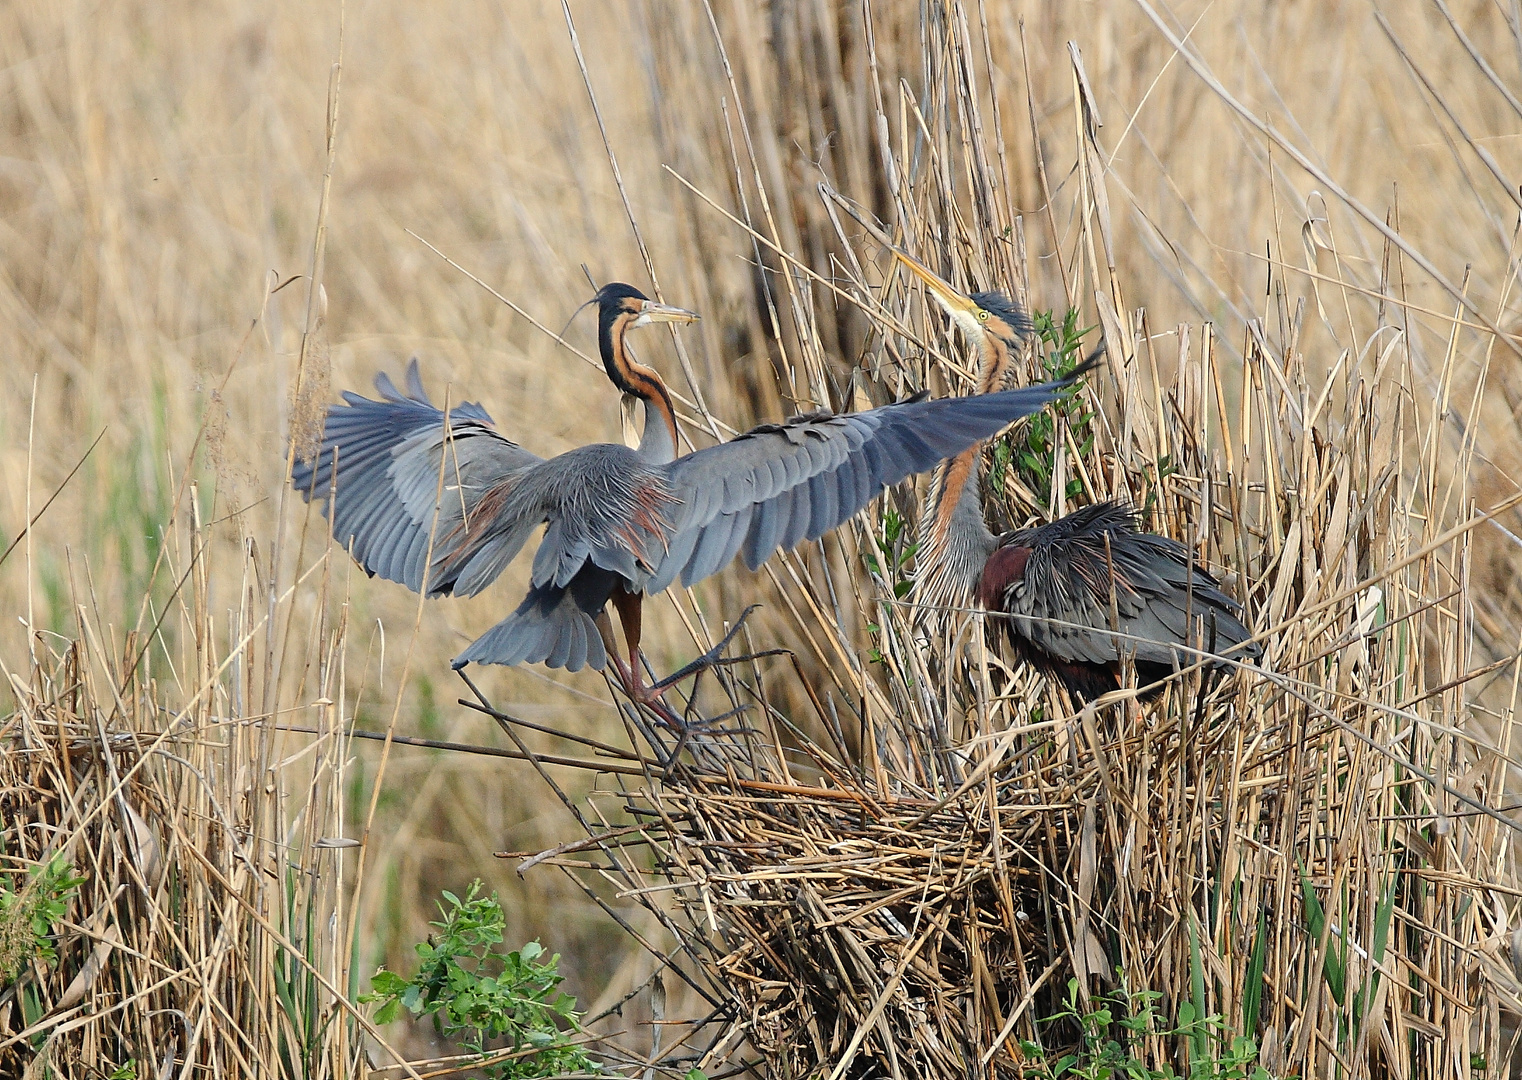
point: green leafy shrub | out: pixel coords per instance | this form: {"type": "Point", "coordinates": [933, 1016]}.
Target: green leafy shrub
{"type": "Point", "coordinates": [895, 543]}
{"type": "Point", "coordinates": [1032, 448]}
{"type": "Point", "coordinates": [27, 916]}
{"type": "Point", "coordinates": [479, 995]}
{"type": "Point", "coordinates": [1213, 1050]}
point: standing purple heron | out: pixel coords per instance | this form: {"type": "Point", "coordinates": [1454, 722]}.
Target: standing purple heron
{"type": "Point", "coordinates": [1080, 593]}
{"type": "Point", "coordinates": [443, 504]}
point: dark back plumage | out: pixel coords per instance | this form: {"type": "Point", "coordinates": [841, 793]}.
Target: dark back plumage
{"type": "Point", "coordinates": [1054, 586]}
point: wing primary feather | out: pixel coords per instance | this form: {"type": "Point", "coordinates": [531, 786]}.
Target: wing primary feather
{"type": "Point", "coordinates": [823, 498]}
{"type": "Point", "coordinates": [737, 536]}
{"type": "Point", "coordinates": [797, 519]}
{"type": "Point", "coordinates": [852, 493]}
{"type": "Point", "coordinates": [766, 525]}
{"type": "Point", "coordinates": [415, 383]}
{"type": "Point", "coordinates": [576, 655]}
{"type": "Point", "coordinates": [705, 559]}
{"type": "Point", "coordinates": [676, 559]}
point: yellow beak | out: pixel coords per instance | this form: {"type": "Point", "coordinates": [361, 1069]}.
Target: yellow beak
{"type": "Point", "coordinates": [654, 313]}
{"type": "Point", "coordinates": [954, 302]}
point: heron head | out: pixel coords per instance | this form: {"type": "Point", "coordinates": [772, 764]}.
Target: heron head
{"type": "Point", "coordinates": [985, 317]}
{"type": "Point", "coordinates": [620, 303]}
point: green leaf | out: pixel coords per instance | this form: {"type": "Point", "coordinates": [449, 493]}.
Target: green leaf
{"type": "Point", "coordinates": [1315, 922]}
{"type": "Point", "coordinates": [31, 1005]}
{"type": "Point", "coordinates": [1200, 1037]}
{"type": "Point", "coordinates": [1252, 995]}
{"type": "Point", "coordinates": [387, 982]}
{"type": "Point", "coordinates": [1382, 917]}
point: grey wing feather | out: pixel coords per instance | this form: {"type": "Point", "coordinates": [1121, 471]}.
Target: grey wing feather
{"type": "Point", "coordinates": [764, 533]}
{"type": "Point", "coordinates": [1060, 605]}
{"type": "Point", "coordinates": [388, 456]}
{"type": "Point", "coordinates": [709, 556]}
{"type": "Point", "coordinates": [795, 504]}
{"type": "Point", "coordinates": [557, 635]}
{"type": "Point", "coordinates": [824, 504]}
{"type": "Point", "coordinates": [811, 474]}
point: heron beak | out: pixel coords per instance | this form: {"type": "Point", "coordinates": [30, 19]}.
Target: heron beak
{"type": "Point", "coordinates": [954, 302]}
{"type": "Point", "coordinates": [654, 313]}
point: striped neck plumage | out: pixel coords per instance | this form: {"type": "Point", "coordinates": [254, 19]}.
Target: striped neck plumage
{"type": "Point", "coordinates": [993, 363]}
{"type": "Point", "coordinates": [657, 443]}
{"type": "Point", "coordinates": [955, 541]}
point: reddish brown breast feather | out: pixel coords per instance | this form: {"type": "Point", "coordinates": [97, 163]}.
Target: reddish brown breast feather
{"type": "Point", "coordinates": [1005, 567]}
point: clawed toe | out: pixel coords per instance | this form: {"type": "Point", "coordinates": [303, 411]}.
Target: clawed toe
{"type": "Point", "coordinates": [652, 696]}
{"type": "Point", "coordinates": [709, 658]}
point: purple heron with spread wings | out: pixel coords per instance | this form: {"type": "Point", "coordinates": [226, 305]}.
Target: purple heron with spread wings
{"type": "Point", "coordinates": [1055, 584]}
{"type": "Point", "coordinates": [444, 504]}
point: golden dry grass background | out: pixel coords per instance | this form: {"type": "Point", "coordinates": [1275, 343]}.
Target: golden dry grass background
{"type": "Point", "coordinates": [161, 167]}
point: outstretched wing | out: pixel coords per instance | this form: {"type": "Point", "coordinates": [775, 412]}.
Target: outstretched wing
{"type": "Point", "coordinates": [779, 484]}
{"type": "Point", "coordinates": [1055, 584]}
{"type": "Point", "coordinates": [388, 456]}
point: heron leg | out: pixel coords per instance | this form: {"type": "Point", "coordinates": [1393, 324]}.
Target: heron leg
{"type": "Point", "coordinates": [630, 615]}
{"type": "Point", "coordinates": [610, 645]}
{"type": "Point", "coordinates": [630, 609]}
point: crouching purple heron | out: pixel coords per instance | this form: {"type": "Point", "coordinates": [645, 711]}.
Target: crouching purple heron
{"type": "Point", "coordinates": [1054, 584]}
{"type": "Point", "coordinates": [403, 482]}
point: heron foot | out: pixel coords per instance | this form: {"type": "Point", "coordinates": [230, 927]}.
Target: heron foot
{"type": "Point", "coordinates": [652, 697]}
{"type": "Point", "coordinates": [708, 659]}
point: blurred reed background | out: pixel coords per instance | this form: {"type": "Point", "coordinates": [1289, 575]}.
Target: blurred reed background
{"type": "Point", "coordinates": [162, 175]}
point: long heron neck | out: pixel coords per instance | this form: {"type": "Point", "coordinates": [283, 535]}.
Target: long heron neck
{"type": "Point", "coordinates": [658, 441]}
{"type": "Point", "coordinates": [955, 541]}
{"type": "Point", "coordinates": [993, 365]}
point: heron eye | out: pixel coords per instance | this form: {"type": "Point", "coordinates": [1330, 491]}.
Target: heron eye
{"type": "Point", "coordinates": [982, 316]}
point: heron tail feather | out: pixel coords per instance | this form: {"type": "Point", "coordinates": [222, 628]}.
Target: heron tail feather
{"type": "Point", "coordinates": [549, 627]}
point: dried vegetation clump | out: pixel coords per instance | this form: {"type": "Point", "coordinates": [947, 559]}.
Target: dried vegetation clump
{"type": "Point", "coordinates": [203, 927]}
